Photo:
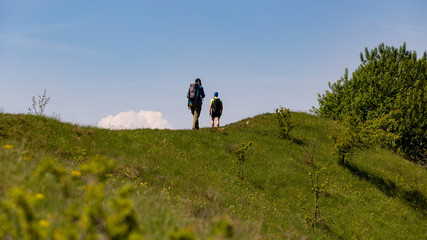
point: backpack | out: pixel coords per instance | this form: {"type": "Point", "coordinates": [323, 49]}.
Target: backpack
{"type": "Point", "coordinates": [216, 105]}
{"type": "Point", "coordinates": [193, 92]}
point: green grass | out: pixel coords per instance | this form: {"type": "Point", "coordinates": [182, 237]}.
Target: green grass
{"type": "Point", "coordinates": [56, 183]}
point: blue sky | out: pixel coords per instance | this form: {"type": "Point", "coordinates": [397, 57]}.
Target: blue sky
{"type": "Point", "coordinates": [104, 58]}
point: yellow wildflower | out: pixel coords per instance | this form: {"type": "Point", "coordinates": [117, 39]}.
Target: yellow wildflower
{"type": "Point", "coordinates": [76, 173]}
{"type": "Point", "coordinates": [40, 196]}
{"type": "Point", "coordinates": [7, 146]}
{"type": "Point", "coordinates": [44, 223]}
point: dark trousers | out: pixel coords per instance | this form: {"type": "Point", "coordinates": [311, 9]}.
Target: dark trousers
{"type": "Point", "coordinates": [196, 108]}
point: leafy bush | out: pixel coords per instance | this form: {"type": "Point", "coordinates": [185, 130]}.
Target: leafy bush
{"type": "Point", "coordinates": [390, 85]}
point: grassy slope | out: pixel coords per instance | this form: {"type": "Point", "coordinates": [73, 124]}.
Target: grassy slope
{"type": "Point", "coordinates": [186, 180]}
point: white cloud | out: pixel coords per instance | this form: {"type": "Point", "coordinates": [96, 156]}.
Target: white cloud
{"type": "Point", "coordinates": [134, 120]}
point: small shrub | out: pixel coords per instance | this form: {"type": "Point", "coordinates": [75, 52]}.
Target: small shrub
{"type": "Point", "coordinates": [242, 158]}
{"type": "Point", "coordinates": [284, 122]}
{"type": "Point", "coordinates": [344, 145]}
{"type": "Point", "coordinates": [38, 107]}
{"type": "Point", "coordinates": [318, 189]}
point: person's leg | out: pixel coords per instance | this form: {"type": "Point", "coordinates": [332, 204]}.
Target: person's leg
{"type": "Point", "coordinates": [217, 122]}
{"type": "Point", "coordinates": [196, 119]}
{"type": "Point", "coordinates": [192, 108]}
{"type": "Point", "coordinates": [193, 112]}
{"type": "Point", "coordinates": [212, 122]}
{"type": "Point", "coordinates": [197, 110]}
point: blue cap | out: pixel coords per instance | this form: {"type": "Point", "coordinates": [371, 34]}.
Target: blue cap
{"type": "Point", "coordinates": [216, 94]}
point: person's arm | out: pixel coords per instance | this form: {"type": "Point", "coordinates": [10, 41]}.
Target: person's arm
{"type": "Point", "coordinates": [210, 109]}
{"type": "Point", "coordinates": [202, 92]}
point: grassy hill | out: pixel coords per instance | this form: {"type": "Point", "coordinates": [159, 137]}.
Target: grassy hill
{"type": "Point", "coordinates": [63, 181]}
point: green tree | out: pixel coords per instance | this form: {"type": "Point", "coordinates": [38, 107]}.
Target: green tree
{"type": "Point", "coordinates": [389, 89]}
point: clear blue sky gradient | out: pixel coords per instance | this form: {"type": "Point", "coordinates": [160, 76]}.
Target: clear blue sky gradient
{"type": "Point", "coordinates": [100, 58]}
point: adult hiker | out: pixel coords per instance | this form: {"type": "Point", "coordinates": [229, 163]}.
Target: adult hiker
{"type": "Point", "coordinates": [215, 109]}
{"type": "Point", "coordinates": [195, 99]}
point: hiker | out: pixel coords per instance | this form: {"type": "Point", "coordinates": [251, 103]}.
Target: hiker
{"type": "Point", "coordinates": [215, 109]}
{"type": "Point", "coordinates": [195, 99]}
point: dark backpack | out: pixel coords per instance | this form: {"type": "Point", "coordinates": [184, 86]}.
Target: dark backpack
{"type": "Point", "coordinates": [216, 105]}
{"type": "Point", "coordinates": [193, 92]}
